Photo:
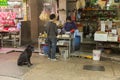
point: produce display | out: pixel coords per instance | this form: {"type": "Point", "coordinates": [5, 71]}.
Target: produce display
{"type": "Point", "coordinates": [7, 21]}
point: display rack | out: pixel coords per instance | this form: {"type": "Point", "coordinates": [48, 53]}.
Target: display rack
{"type": "Point", "coordinates": [107, 44]}
{"type": "Point", "coordinates": [94, 15]}
{"type": "Point", "coordinates": [8, 29]}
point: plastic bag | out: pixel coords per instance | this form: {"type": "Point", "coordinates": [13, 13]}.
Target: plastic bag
{"type": "Point", "coordinates": [44, 16]}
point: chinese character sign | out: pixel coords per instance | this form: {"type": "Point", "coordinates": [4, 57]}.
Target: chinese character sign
{"type": "Point", "coordinates": [3, 2]}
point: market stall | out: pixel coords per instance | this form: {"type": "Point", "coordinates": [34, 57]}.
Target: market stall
{"type": "Point", "coordinates": [10, 16]}
{"type": "Point", "coordinates": [108, 37]}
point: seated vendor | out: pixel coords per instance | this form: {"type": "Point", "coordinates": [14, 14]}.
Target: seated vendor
{"type": "Point", "coordinates": [69, 26]}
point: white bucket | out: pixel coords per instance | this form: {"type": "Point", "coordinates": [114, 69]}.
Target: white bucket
{"type": "Point", "coordinates": [96, 54]}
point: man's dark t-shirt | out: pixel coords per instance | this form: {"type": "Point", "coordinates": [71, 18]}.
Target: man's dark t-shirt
{"type": "Point", "coordinates": [51, 29]}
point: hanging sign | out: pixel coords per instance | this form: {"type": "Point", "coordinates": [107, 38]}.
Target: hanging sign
{"type": "Point", "coordinates": [3, 2]}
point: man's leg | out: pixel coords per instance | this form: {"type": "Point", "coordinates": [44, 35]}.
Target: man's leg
{"type": "Point", "coordinates": [49, 49]}
{"type": "Point", "coordinates": [53, 48]}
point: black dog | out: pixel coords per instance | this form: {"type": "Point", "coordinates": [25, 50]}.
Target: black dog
{"type": "Point", "coordinates": [24, 58]}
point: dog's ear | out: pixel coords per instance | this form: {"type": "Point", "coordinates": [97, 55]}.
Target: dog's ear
{"type": "Point", "coordinates": [32, 48]}
{"type": "Point", "coordinates": [28, 46]}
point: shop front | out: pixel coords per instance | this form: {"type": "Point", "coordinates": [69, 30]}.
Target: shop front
{"type": "Point", "coordinates": [90, 16]}
{"type": "Point", "coordinates": [98, 21]}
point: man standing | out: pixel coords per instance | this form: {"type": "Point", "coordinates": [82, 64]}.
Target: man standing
{"type": "Point", "coordinates": [51, 29]}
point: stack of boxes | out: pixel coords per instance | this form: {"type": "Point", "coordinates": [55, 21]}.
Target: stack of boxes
{"type": "Point", "coordinates": [109, 32]}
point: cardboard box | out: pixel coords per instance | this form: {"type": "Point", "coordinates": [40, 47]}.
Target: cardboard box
{"type": "Point", "coordinates": [113, 38]}
{"type": "Point", "coordinates": [118, 30]}
{"type": "Point", "coordinates": [80, 29]}
{"type": "Point", "coordinates": [114, 31]}
{"type": "Point", "coordinates": [100, 36]}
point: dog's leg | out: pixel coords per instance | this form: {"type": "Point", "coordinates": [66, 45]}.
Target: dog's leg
{"type": "Point", "coordinates": [19, 64]}
{"type": "Point", "coordinates": [28, 61]}
{"type": "Point", "coordinates": [20, 60]}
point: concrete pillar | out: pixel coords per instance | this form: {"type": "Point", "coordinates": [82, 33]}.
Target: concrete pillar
{"type": "Point", "coordinates": [62, 13]}
{"type": "Point", "coordinates": [34, 19]}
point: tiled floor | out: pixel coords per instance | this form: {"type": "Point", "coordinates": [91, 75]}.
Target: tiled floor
{"type": "Point", "coordinates": [8, 78]}
{"type": "Point", "coordinates": [45, 69]}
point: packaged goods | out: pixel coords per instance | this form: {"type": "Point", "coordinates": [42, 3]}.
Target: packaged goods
{"type": "Point", "coordinates": [101, 3]}
{"type": "Point", "coordinates": [80, 4]}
